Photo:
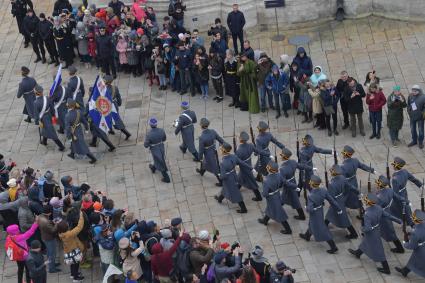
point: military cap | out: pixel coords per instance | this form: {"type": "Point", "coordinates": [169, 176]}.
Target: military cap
{"type": "Point", "coordinates": [108, 78]}
{"type": "Point", "coordinates": [398, 163]}
{"type": "Point", "coordinates": [227, 147]}
{"type": "Point", "coordinates": [71, 102]}
{"type": "Point", "coordinates": [262, 126]}
{"type": "Point", "coordinates": [347, 150]}
{"type": "Point", "coordinates": [272, 166]}
{"type": "Point", "coordinates": [307, 140]}
{"type": "Point", "coordinates": [244, 136]}
{"type": "Point", "coordinates": [371, 198]}
{"type": "Point", "coordinates": [336, 170]}
{"type": "Point", "coordinates": [153, 122]}
{"type": "Point", "coordinates": [286, 153]}
{"type": "Point", "coordinates": [419, 215]}
{"type": "Point", "coordinates": [176, 221]}
{"type": "Point", "coordinates": [382, 181]}
{"type": "Point", "coordinates": [315, 181]}
{"type": "Point", "coordinates": [38, 89]}
{"type": "Point", "coordinates": [25, 70]}
{"type": "Point", "coordinates": [204, 122]}
{"type": "Point", "coordinates": [184, 105]}
{"type": "Point", "coordinates": [72, 69]}
{"type": "Point", "coordinates": [280, 266]}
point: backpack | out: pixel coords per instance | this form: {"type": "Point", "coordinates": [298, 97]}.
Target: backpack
{"type": "Point", "coordinates": [14, 251]}
{"type": "Point", "coordinates": [149, 244]}
{"type": "Point", "coordinates": [182, 265]}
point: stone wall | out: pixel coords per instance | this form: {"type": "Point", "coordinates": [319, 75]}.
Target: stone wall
{"type": "Point", "coordinates": [201, 13]}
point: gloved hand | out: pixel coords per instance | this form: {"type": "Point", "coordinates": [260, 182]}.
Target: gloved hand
{"type": "Point", "coordinates": [314, 169]}
{"type": "Point", "coordinates": [298, 190]}
{"type": "Point", "coordinates": [254, 171]}
{"type": "Point", "coordinates": [86, 132]}
{"type": "Point", "coordinates": [70, 140]}
{"type": "Point", "coordinates": [271, 157]}
{"type": "Point", "coordinates": [339, 212]}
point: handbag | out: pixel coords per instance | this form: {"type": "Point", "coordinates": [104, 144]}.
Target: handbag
{"type": "Point", "coordinates": [74, 256]}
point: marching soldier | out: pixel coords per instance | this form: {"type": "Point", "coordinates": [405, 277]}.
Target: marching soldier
{"type": "Point", "coordinates": [43, 109]}
{"type": "Point", "coordinates": [262, 143]}
{"type": "Point", "coordinates": [290, 194]}
{"type": "Point", "coordinates": [246, 177]}
{"type": "Point", "coordinates": [307, 152]}
{"type": "Point", "coordinates": [184, 124]}
{"type": "Point", "coordinates": [371, 243]}
{"type": "Point", "coordinates": [74, 131]}
{"type": "Point", "coordinates": [337, 189]}
{"type": "Point", "coordinates": [26, 89]}
{"type": "Point", "coordinates": [417, 245]}
{"type": "Point", "coordinates": [399, 185]}
{"type": "Point", "coordinates": [229, 178]}
{"type": "Point", "coordinates": [75, 88]}
{"type": "Point", "coordinates": [386, 196]}
{"type": "Point", "coordinates": [207, 151]}
{"type": "Point", "coordinates": [59, 105]}
{"type": "Point", "coordinates": [349, 168]}
{"type": "Point", "coordinates": [271, 192]}
{"type": "Point", "coordinates": [116, 99]}
{"type": "Point", "coordinates": [316, 224]}
{"type": "Point", "coordinates": [154, 140]}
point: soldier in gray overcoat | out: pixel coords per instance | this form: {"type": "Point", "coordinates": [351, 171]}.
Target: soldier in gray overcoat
{"type": "Point", "coordinates": [185, 124]}
{"type": "Point", "coordinates": [59, 106]}
{"type": "Point", "coordinates": [271, 192]}
{"type": "Point", "coordinates": [316, 222]}
{"type": "Point", "coordinates": [349, 168]}
{"type": "Point", "coordinates": [26, 89]}
{"type": "Point", "coordinates": [74, 121]}
{"type": "Point", "coordinates": [75, 88]}
{"type": "Point", "coordinates": [417, 245]}
{"type": "Point", "coordinates": [116, 99]}
{"type": "Point", "coordinates": [338, 187]}
{"type": "Point", "coordinates": [43, 109]}
{"type": "Point", "coordinates": [246, 177]}
{"type": "Point", "coordinates": [371, 244]}
{"type": "Point", "coordinates": [154, 140]}
{"type": "Point", "coordinates": [262, 142]}
{"type": "Point", "coordinates": [290, 194]}
{"type": "Point", "coordinates": [229, 178]}
{"type": "Point", "coordinates": [399, 185]}
{"type": "Point", "coordinates": [386, 196]}
{"type": "Point", "coordinates": [207, 150]}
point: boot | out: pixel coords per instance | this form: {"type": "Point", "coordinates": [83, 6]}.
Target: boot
{"type": "Point", "coordinates": [285, 113]}
{"type": "Point", "coordinates": [264, 220]}
{"type": "Point", "coordinates": [195, 156]}
{"type": "Point", "coordinates": [126, 133]}
{"type": "Point", "coordinates": [111, 132]}
{"type": "Point", "coordinates": [286, 228]}
{"type": "Point", "coordinates": [278, 114]}
{"type": "Point", "coordinates": [61, 131]}
{"type": "Point", "coordinates": [28, 119]}
{"type": "Point", "coordinates": [259, 178]}
{"type": "Point", "coordinates": [219, 183]}
{"type": "Point", "coordinates": [51, 61]}
{"type": "Point", "coordinates": [165, 177]}
{"type": "Point", "coordinates": [404, 271]}
{"type": "Point", "coordinates": [353, 234]}
{"type": "Point", "coordinates": [93, 142]}
{"type": "Point", "coordinates": [219, 198]}
{"type": "Point", "coordinates": [200, 171]}
{"type": "Point", "coordinates": [92, 158]}
{"type": "Point", "coordinates": [182, 149]}
{"type": "Point", "coordinates": [385, 268]}
{"type": "Point", "coordinates": [57, 62]}
{"type": "Point", "coordinates": [301, 215]}
{"type": "Point", "coordinates": [378, 135]}
{"type": "Point", "coordinates": [44, 141]}
{"type": "Point", "coordinates": [336, 132]}
{"type": "Point", "coordinates": [329, 133]}
{"type": "Point", "coordinates": [398, 247]}
{"type": "Point", "coordinates": [257, 196]}
{"type": "Point", "coordinates": [310, 116]}
{"type": "Point", "coordinates": [43, 60]}
{"type": "Point", "coordinates": [60, 145]}
{"type": "Point", "coordinates": [305, 118]}
{"type": "Point", "coordinates": [111, 146]}
{"type": "Point", "coordinates": [38, 59]}
{"type": "Point", "coordinates": [333, 247]}
{"type": "Point", "coordinates": [152, 167]}
{"type": "Point", "coordinates": [306, 236]}
{"type": "Point", "coordinates": [242, 208]}
{"type": "Point", "coordinates": [358, 253]}
{"type": "Point", "coordinates": [71, 155]}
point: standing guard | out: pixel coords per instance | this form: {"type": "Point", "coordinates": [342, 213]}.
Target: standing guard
{"type": "Point", "coordinates": [154, 140]}
{"type": "Point", "coordinates": [184, 124]}
{"type": "Point", "coordinates": [26, 89]}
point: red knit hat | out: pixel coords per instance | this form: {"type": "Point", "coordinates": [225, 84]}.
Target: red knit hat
{"type": "Point", "coordinates": [140, 31]}
{"type": "Point", "coordinates": [224, 245]}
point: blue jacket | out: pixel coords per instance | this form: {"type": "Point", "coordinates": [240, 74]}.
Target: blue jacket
{"type": "Point", "coordinates": [219, 47]}
{"type": "Point", "coordinates": [328, 99]}
{"type": "Point", "coordinates": [183, 59]}
{"type": "Point", "coordinates": [277, 84]}
{"type": "Point", "coordinates": [305, 65]}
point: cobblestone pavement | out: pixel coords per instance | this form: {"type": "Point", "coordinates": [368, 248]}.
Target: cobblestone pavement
{"type": "Point", "coordinates": [395, 49]}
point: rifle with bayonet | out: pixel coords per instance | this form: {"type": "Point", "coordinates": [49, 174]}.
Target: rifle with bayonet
{"type": "Point", "coordinates": [234, 136]}
{"type": "Point", "coordinates": [369, 184]}
{"type": "Point", "coordinates": [335, 156]}
{"type": "Point", "coordinates": [422, 197]}
{"type": "Point", "coordinates": [326, 175]}
{"type": "Point", "coordinates": [275, 146]}
{"type": "Point", "coordinates": [300, 176]}
{"type": "Point", "coordinates": [404, 229]}
{"type": "Point", "coordinates": [361, 210]}
{"type": "Point", "coordinates": [388, 167]}
{"type": "Point", "coordinates": [251, 131]}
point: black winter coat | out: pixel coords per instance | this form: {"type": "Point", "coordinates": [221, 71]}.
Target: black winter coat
{"type": "Point", "coordinates": [45, 29]}
{"type": "Point", "coordinates": [104, 46]}
{"type": "Point", "coordinates": [355, 104]}
{"type": "Point", "coordinates": [236, 21]}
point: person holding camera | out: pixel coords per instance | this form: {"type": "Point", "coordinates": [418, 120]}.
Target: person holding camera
{"type": "Point", "coordinates": [354, 95]}
{"type": "Point", "coordinates": [129, 255]}
{"type": "Point", "coordinates": [219, 45]}
{"type": "Point", "coordinates": [222, 270]}
{"type": "Point", "coordinates": [282, 273]}
{"type": "Point", "coordinates": [395, 103]}
{"type": "Point", "coordinates": [415, 108]}
{"type": "Point", "coordinates": [375, 99]}
{"type": "Point", "coordinates": [218, 28]}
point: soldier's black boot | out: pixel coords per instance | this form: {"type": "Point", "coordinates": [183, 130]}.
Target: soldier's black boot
{"type": "Point", "coordinates": [219, 198]}
{"type": "Point", "coordinates": [92, 158]}
{"type": "Point", "coordinates": [285, 113]}
{"type": "Point", "coordinates": [358, 253]}
{"type": "Point", "coordinates": [286, 228]}
{"type": "Point", "coordinates": [301, 215]}
{"type": "Point", "coordinates": [306, 236]}
{"type": "Point", "coordinates": [126, 133]}
{"type": "Point", "coordinates": [61, 131]}
{"type": "Point", "coordinates": [385, 267]}
{"type": "Point", "coordinates": [259, 177]}
{"type": "Point", "coordinates": [219, 183]}
{"type": "Point", "coordinates": [93, 142]}
{"type": "Point", "coordinates": [398, 247]}
{"type": "Point", "coordinates": [327, 222]}
{"type": "Point", "coordinates": [310, 116]}
{"type": "Point", "coordinates": [404, 271]}
{"type": "Point", "coordinates": [200, 171]}
{"type": "Point", "coordinates": [182, 149]}
{"type": "Point", "coordinates": [242, 208]}
{"type": "Point", "coordinates": [152, 167]}
{"type": "Point", "coordinates": [165, 177]}
{"type": "Point", "coordinates": [28, 119]}
{"type": "Point", "coordinates": [278, 114]}
{"type": "Point", "coordinates": [353, 234]}
{"type": "Point", "coordinates": [38, 59]}
{"type": "Point", "coordinates": [257, 196]}
{"type": "Point", "coordinates": [43, 59]}
{"type": "Point", "coordinates": [71, 155]}
{"type": "Point", "coordinates": [109, 144]}
{"type": "Point", "coordinates": [264, 220]}
{"type": "Point", "coordinates": [305, 118]}
{"type": "Point", "coordinates": [60, 145]}
{"type": "Point", "coordinates": [44, 141]}
{"type": "Point", "coordinates": [195, 156]}
{"type": "Point", "coordinates": [333, 247]}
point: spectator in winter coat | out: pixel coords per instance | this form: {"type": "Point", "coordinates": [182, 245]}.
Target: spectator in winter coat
{"type": "Point", "coordinates": [45, 30]}
{"type": "Point", "coordinates": [35, 204]}
{"type": "Point", "coordinates": [117, 7]}
{"type": "Point", "coordinates": [247, 49]}
{"type": "Point", "coordinates": [223, 271]}
{"type": "Point", "coordinates": [122, 47]}
{"type": "Point", "coordinates": [329, 102]}
{"type": "Point", "coordinates": [219, 45]}
{"type": "Point", "coordinates": [201, 72]}
{"type": "Point", "coordinates": [36, 264]}
{"type": "Point", "coordinates": [105, 240]}
{"type": "Point", "coordinates": [183, 60]}
{"type": "Point", "coordinates": [317, 76]}
{"type": "Point", "coordinates": [415, 109]}
{"type": "Point", "coordinates": [70, 188]}
{"type": "Point", "coordinates": [60, 6]}
{"type": "Point", "coordinates": [7, 211]}
{"type": "Point", "coordinates": [49, 234]}
{"type": "Point", "coordinates": [216, 68]}
{"type": "Point", "coordinates": [277, 83]}
{"type": "Point", "coordinates": [264, 68]}
{"type": "Point", "coordinates": [81, 37]}
{"type": "Point", "coordinates": [130, 256]}
{"type": "Point", "coordinates": [25, 215]}
{"type": "Point", "coordinates": [375, 98]}
{"type": "Point", "coordinates": [176, 10]}
{"type": "Point", "coordinates": [341, 88]}
{"type": "Point", "coordinates": [294, 74]}
{"type": "Point", "coordinates": [354, 95]}
{"type": "Point", "coordinates": [201, 253]}
{"type": "Point", "coordinates": [304, 62]}
{"type": "Point", "coordinates": [395, 103]}
{"type": "Point", "coordinates": [236, 23]}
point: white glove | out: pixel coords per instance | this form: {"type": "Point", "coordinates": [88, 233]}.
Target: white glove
{"type": "Point", "coordinates": [70, 141]}
{"type": "Point", "coordinates": [298, 190]}
{"type": "Point", "coordinates": [404, 242]}
{"type": "Point", "coordinates": [334, 152]}
{"type": "Point", "coordinates": [254, 171]}
{"type": "Point", "coordinates": [314, 169]}
{"type": "Point", "coordinates": [375, 172]}
{"type": "Point", "coordinates": [86, 132]}
{"type": "Point", "coordinates": [176, 123]}
{"type": "Point", "coordinates": [339, 212]}
{"type": "Point", "coordinates": [271, 157]}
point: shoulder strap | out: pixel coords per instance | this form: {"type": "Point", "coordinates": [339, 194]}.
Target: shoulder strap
{"type": "Point", "coordinates": [11, 238]}
{"type": "Point", "coordinates": [113, 90]}
{"type": "Point", "coordinates": [188, 117]}
{"type": "Point", "coordinates": [77, 89]}
{"type": "Point", "coordinates": [43, 110]}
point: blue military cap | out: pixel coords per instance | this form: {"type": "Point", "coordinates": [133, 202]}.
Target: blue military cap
{"type": "Point", "coordinates": [153, 122]}
{"type": "Point", "coordinates": [308, 140]}
{"type": "Point", "coordinates": [347, 150]}
{"type": "Point", "coordinates": [371, 198]}
{"type": "Point", "coordinates": [286, 153]}
{"type": "Point", "coordinates": [72, 69]}
{"type": "Point", "coordinates": [184, 105]}
{"type": "Point", "coordinates": [398, 163]}
{"type": "Point", "coordinates": [382, 181]}
{"type": "Point", "coordinates": [336, 170]}
{"type": "Point", "coordinates": [25, 70]}
{"type": "Point", "coordinates": [315, 181]}
{"type": "Point", "coordinates": [176, 221]}
{"type": "Point", "coordinates": [244, 136]}
{"type": "Point", "coordinates": [272, 166]}
{"type": "Point", "coordinates": [204, 122]}
{"type": "Point", "coordinates": [38, 89]}
{"type": "Point", "coordinates": [108, 78]}
{"type": "Point", "coordinates": [419, 215]}
{"type": "Point", "coordinates": [227, 147]}
{"type": "Point", "coordinates": [262, 125]}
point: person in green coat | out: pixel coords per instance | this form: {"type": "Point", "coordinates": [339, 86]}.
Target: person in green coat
{"type": "Point", "coordinates": [248, 90]}
{"type": "Point", "coordinates": [395, 102]}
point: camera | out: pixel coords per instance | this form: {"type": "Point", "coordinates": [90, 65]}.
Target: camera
{"type": "Point", "coordinates": [235, 245]}
{"type": "Point", "coordinates": [293, 270]}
